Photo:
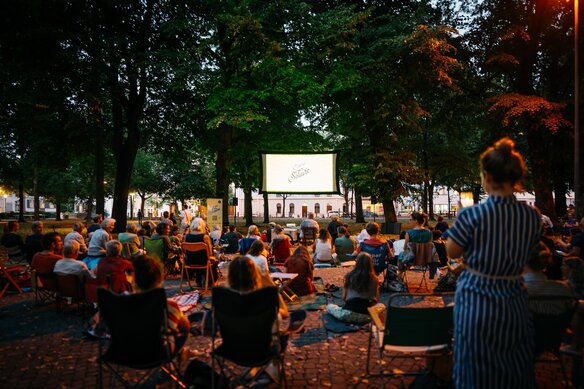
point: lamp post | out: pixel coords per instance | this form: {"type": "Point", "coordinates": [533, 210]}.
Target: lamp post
{"type": "Point", "coordinates": [5, 196]}
{"type": "Point", "coordinates": [578, 203]}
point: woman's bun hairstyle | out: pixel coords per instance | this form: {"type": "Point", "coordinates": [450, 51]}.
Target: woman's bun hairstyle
{"type": "Point", "coordinates": [504, 163]}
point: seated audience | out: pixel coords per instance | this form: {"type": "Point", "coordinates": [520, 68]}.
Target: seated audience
{"type": "Point", "coordinates": [363, 235]}
{"type": "Point", "coordinates": [253, 234]}
{"type": "Point", "coordinates": [166, 218]}
{"type": "Point", "coordinates": [333, 228]}
{"type": "Point", "coordinates": [345, 244]}
{"type": "Point", "coordinates": [13, 242]}
{"type": "Point", "coordinates": [442, 226]}
{"type": "Point", "coordinates": [310, 222]}
{"type": "Point", "coordinates": [573, 269]}
{"type": "Point", "coordinates": [360, 291]}
{"type": "Point", "coordinates": [33, 243]}
{"type": "Point", "coordinates": [269, 231]}
{"type": "Point", "coordinates": [379, 250]}
{"type": "Point", "coordinates": [439, 247]}
{"type": "Point", "coordinates": [44, 261]}
{"type": "Point", "coordinates": [215, 235]}
{"type": "Point", "coordinates": [69, 264]}
{"type": "Point", "coordinates": [398, 245]}
{"type": "Point", "coordinates": [115, 267]}
{"type": "Point", "coordinates": [577, 243]}
{"type": "Point", "coordinates": [198, 233]}
{"type": "Point", "coordinates": [256, 254]}
{"type": "Point", "coordinates": [323, 248]}
{"type": "Point", "coordinates": [301, 263]}
{"type": "Point", "coordinates": [97, 220]}
{"type": "Point", "coordinates": [130, 238]}
{"type": "Point", "coordinates": [232, 240]}
{"type": "Point", "coordinates": [99, 238]}
{"type": "Point", "coordinates": [77, 236]}
{"type": "Point", "coordinates": [280, 245]}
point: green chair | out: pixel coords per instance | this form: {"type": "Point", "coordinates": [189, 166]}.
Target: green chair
{"type": "Point", "coordinates": [156, 248]}
{"type": "Point", "coordinates": [415, 325]}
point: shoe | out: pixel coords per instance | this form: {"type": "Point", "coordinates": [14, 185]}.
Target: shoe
{"type": "Point", "coordinates": [571, 350]}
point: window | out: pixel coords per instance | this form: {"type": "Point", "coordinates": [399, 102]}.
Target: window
{"type": "Point", "coordinates": [291, 209]}
{"type": "Point", "coordinates": [329, 207]}
{"type": "Point", "coordinates": [317, 208]}
{"type": "Point", "coordinates": [278, 209]}
{"type": "Point", "coordinates": [29, 203]}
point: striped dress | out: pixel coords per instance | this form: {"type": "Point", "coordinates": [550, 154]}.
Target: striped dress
{"type": "Point", "coordinates": [493, 335]}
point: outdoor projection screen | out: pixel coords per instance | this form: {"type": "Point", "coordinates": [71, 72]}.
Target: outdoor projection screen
{"type": "Point", "coordinates": [313, 173]}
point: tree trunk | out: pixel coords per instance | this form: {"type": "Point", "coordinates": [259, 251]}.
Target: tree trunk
{"type": "Point", "coordinates": [284, 197]}
{"type": "Point", "coordinates": [99, 170]}
{"type": "Point", "coordinates": [21, 200]}
{"type": "Point", "coordinates": [560, 199]}
{"type": "Point", "coordinates": [425, 196]}
{"type": "Point", "coordinates": [266, 208]}
{"type": "Point", "coordinates": [359, 218]}
{"type": "Point", "coordinates": [89, 209]}
{"type": "Point", "coordinates": [247, 204]}
{"type": "Point", "coordinates": [541, 174]}
{"type": "Point", "coordinates": [58, 211]}
{"type": "Point", "coordinates": [431, 200]}
{"type": "Point", "coordinates": [36, 197]}
{"type": "Point", "coordinates": [222, 165]}
{"type": "Point", "coordinates": [476, 194]}
{"type": "Point", "coordinates": [389, 211]}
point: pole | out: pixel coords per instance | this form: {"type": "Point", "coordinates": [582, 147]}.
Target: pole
{"type": "Point", "coordinates": [577, 179]}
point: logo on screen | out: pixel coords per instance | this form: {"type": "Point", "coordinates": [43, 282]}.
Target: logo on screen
{"type": "Point", "coordinates": [298, 170]}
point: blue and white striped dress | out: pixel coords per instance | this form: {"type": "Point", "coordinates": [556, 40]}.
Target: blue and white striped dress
{"type": "Point", "coordinates": [493, 336]}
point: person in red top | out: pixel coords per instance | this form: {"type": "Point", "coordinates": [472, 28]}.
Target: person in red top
{"type": "Point", "coordinates": [301, 263]}
{"type": "Point", "coordinates": [116, 267]}
{"type": "Point", "coordinates": [44, 261]}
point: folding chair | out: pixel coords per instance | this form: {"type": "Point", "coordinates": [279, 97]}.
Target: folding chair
{"type": "Point", "coordinates": [7, 272]}
{"type": "Point", "coordinates": [245, 245]}
{"type": "Point", "coordinates": [551, 317]}
{"type": "Point", "coordinates": [70, 286]}
{"type": "Point", "coordinates": [249, 331]}
{"type": "Point", "coordinates": [45, 287]}
{"type": "Point", "coordinates": [137, 325]}
{"type": "Point", "coordinates": [308, 235]}
{"type": "Point", "coordinates": [414, 326]}
{"type": "Point", "coordinates": [424, 257]}
{"type": "Point", "coordinates": [126, 253]}
{"type": "Point", "coordinates": [207, 264]}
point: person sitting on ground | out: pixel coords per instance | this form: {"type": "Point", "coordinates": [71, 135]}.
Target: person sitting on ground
{"type": "Point", "coordinates": [77, 235]}
{"type": "Point", "coordinates": [310, 222]}
{"type": "Point", "coordinates": [69, 264]}
{"type": "Point", "coordinates": [323, 249]}
{"type": "Point", "coordinates": [99, 238]}
{"type": "Point", "coordinates": [253, 234]}
{"type": "Point", "coordinates": [537, 284]}
{"type": "Point", "coordinates": [301, 263]}
{"type": "Point", "coordinates": [44, 261]}
{"type": "Point", "coordinates": [232, 240]}
{"type": "Point", "coordinates": [198, 234]}
{"type": "Point", "coordinates": [149, 275]}
{"type": "Point", "coordinates": [33, 243]}
{"type": "Point", "coordinates": [280, 246]}
{"type": "Point", "coordinates": [256, 254]}
{"type": "Point", "coordinates": [442, 226]}
{"type": "Point", "coordinates": [379, 250]}
{"type": "Point", "coordinates": [115, 267]}
{"type": "Point", "coordinates": [215, 235]}
{"type": "Point", "coordinates": [363, 235]}
{"type": "Point", "coordinates": [360, 291]}
{"type": "Point", "coordinates": [130, 238]}
{"type": "Point", "coordinates": [97, 220]}
{"type": "Point", "coordinates": [345, 244]}
{"type": "Point", "coordinates": [333, 228]}
{"type": "Point", "coordinates": [13, 242]}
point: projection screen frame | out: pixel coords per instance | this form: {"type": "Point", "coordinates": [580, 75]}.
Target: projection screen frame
{"type": "Point", "coordinates": [261, 153]}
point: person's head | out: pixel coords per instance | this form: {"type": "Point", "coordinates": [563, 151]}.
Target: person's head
{"type": "Point", "coordinates": [335, 218]}
{"type": "Point", "coordinates": [539, 258]}
{"type": "Point", "coordinates": [113, 248]}
{"type": "Point", "coordinates": [141, 232]}
{"type": "Point", "coordinates": [97, 219]}
{"type": "Point", "coordinates": [324, 235]}
{"type": "Point", "coordinates": [342, 230]}
{"type": "Point", "coordinates": [302, 253]}
{"type": "Point", "coordinates": [12, 226]}
{"type": "Point", "coordinates": [131, 228]}
{"type": "Point", "coordinates": [165, 214]}
{"type": "Point", "coordinates": [37, 227]}
{"type": "Point", "coordinates": [419, 218]}
{"type": "Point", "coordinates": [372, 228]}
{"type": "Point", "coordinates": [175, 230]}
{"type": "Point", "coordinates": [272, 225]}
{"type": "Point", "coordinates": [278, 229]}
{"type": "Point", "coordinates": [440, 219]}
{"type": "Point", "coordinates": [108, 224]}
{"type": "Point", "coordinates": [52, 243]}
{"type": "Point", "coordinates": [253, 230]}
{"type": "Point", "coordinates": [256, 248]}
{"type": "Point", "coordinates": [311, 215]}
{"type": "Point", "coordinates": [232, 228]}
{"type": "Point", "coordinates": [243, 275]}
{"type": "Point", "coordinates": [71, 249]}
{"type": "Point", "coordinates": [198, 225]}
{"type": "Point", "coordinates": [402, 235]}
{"type": "Point", "coordinates": [502, 167]}
{"type": "Point", "coordinates": [148, 273]}
{"type": "Point", "coordinates": [359, 278]}
{"type": "Point", "coordinates": [78, 227]}
{"type": "Point", "coordinates": [163, 229]}
{"type": "Point", "coordinates": [436, 234]}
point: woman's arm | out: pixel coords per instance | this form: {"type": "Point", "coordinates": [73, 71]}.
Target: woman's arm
{"type": "Point", "coordinates": [406, 241]}
{"type": "Point", "coordinates": [453, 249]}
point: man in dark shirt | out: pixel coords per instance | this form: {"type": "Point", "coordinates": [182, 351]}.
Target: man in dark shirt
{"type": "Point", "coordinates": [13, 242]}
{"type": "Point", "coordinates": [97, 219]}
{"type": "Point", "coordinates": [442, 226]}
{"type": "Point", "coordinates": [32, 243]}
{"type": "Point", "coordinates": [232, 240]}
{"type": "Point", "coordinates": [333, 228]}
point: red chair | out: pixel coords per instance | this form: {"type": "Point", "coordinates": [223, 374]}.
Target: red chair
{"type": "Point", "coordinates": [70, 286]}
{"type": "Point", "coordinates": [7, 272]}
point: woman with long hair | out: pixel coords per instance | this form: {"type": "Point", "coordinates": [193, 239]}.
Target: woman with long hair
{"type": "Point", "coordinates": [493, 333]}
{"type": "Point", "coordinates": [360, 291]}
{"type": "Point", "coordinates": [323, 248]}
{"type": "Point", "coordinates": [300, 262]}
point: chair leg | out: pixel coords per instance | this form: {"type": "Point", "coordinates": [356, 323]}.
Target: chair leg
{"type": "Point", "coordinates": [564, 371]}
{"type": "Point", "coordinates": [381, 367]}
{"type": "Point", "coordinates": [182, 274]}
{"type": "Point", "coordinates": [207, 279]}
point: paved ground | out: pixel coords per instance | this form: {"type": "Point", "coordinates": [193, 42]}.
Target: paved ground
{"type": "Point", "coordinates": [40, 348]}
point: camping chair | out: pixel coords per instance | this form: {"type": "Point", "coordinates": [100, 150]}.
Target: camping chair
{"type": "Point", "coordinates": [248, 324]}
{"type": "Point", "coordinates": [156, 248]}
{"type": "Point", "coordinates": [424, 257]}
{"type": "Point", "coordinates": [137, 325]}
{"type": "Point", "coordinates": [245, 245]}
{"type": "Point", "coordinates": [45, 287]}
{"type": "Point", "coordinates": [414, 326]}
{"type": "Point", "coordinates": [308, 234]}
{"type": "Point", "coordinates": [551, 317]}
{"type": "Point", "coordinates": [193, 247]}
{"type": "Point", "coordinates": [126, 253]}
{"type": "Point", "coordinates": [70, 286]}
{"type": "Point", "coordinates": [7, 272]}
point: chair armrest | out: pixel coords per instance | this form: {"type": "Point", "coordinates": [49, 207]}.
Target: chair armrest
{"type": "Point", "coordinates": [376, 319]}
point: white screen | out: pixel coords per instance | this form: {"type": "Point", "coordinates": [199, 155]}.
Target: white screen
{"type": "Point", "coordinates": [299, 173]}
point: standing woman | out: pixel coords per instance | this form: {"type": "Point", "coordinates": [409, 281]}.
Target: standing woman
{"type": "Point", "coordinates": [493, 335]}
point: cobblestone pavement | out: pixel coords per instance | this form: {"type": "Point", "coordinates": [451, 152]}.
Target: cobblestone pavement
{"type": "Point", "coordinates": [40, 348]}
